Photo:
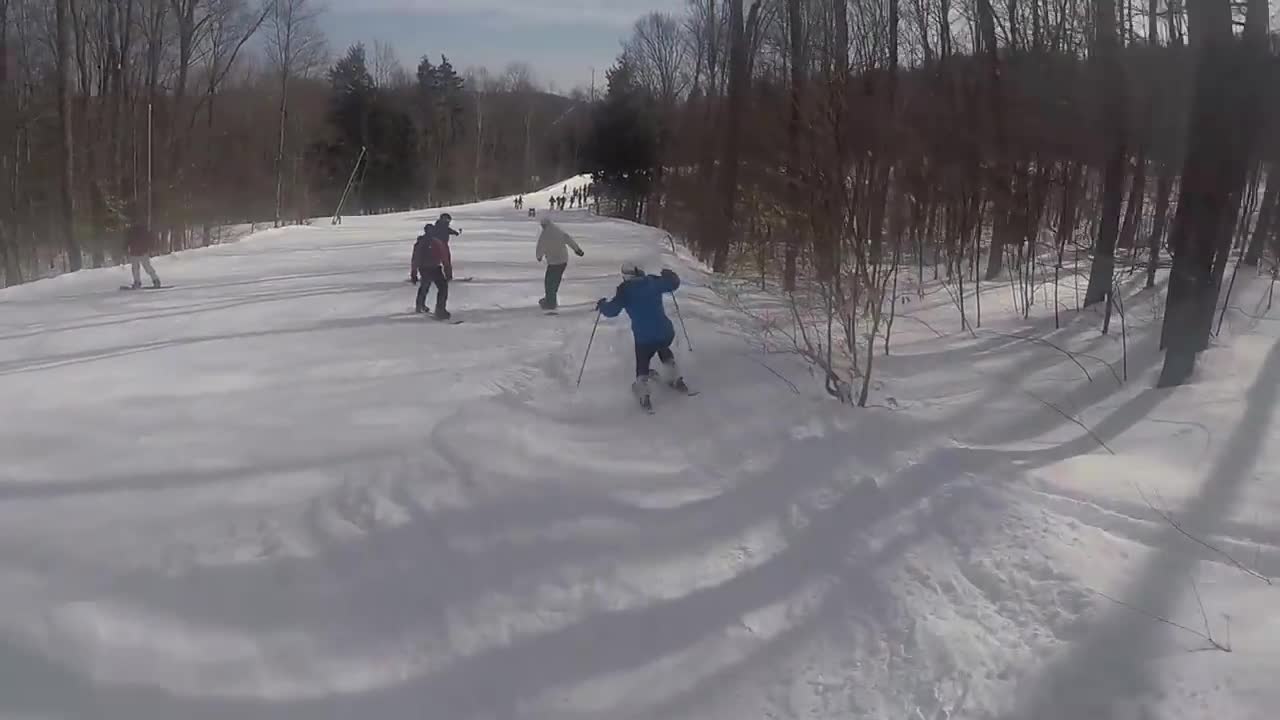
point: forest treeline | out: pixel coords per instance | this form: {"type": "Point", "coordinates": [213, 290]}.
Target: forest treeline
{"type": "Point", "coordinates": [192, 115]}
{"type": "Point", "coordinates": [828, 144]}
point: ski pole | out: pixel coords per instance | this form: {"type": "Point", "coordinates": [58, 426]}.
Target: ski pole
{"type": "Point", "coordinates": [588, 353]}
{"type": "Point", "coordinates": [682, 325]}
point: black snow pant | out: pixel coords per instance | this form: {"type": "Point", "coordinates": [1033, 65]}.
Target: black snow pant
{"type": "Point", "coordinates": [436, 276]}
{"type": "Point", "coordinates": [551, 285]}
{"type": "Point", "coordinates": [646, 351]}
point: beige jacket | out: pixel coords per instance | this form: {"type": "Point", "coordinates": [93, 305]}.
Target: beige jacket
{"type": "Point", "coordinates": [554, 244]}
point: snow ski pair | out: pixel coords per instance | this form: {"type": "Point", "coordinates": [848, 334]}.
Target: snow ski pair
{"type": "Point", "coordinates": [641, 389]}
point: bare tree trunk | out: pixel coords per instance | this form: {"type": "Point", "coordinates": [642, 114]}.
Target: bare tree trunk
{"type": "Point", "coordinates": [1220, 142]}
{"type": "Point", "coordinates": [475, 180]}
{"type": "Point", "coordinates": [738, 89]}
{"type": "Point", "coordinates": [8, 140]}
{"type": "Point", "coordinates": [1266, 217]}
{"type": "Point", "coordinates": [283, 119]}
{"type": "Point", "coordinates": [66, 197]}
{"type": "Point", "coordinates": [1137, 199]}
{"type": "Point", "coordinates": [1001, 182]}
{"type": "Point", "coordinates": [1164, 188]}
{"type": "Point", "coordinates": [1248, 206]}
{"type": "Point", "coordinates": [795, 22]}
{"type": "Point", "coordinates": [1108, 51]}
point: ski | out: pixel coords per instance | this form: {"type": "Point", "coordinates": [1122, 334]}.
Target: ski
{"type": "Point", "coordinates": [463, 279]}
{"type": "Point", "coordinates": [646, 401]}
{"type": "Point", "coordinates": [686, 390]}
{"type": "Point", "coordinates": [130, 288]}
{"type": "Point", "coordinates": [449, 321]}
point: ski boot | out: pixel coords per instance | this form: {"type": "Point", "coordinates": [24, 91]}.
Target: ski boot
{"type": "Point", "coordinates": [442, 315]}
{"type": "Point", "coordinates": [674, 379]}
{"type": "Point", "coordinates": [641, 390]}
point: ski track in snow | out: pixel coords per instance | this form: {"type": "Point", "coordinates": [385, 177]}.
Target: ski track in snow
{"type": "Point", "coordinates": [273, 492]}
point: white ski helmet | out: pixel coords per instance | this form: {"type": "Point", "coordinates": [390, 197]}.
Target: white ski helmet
{"type": "Point", "coordinates": [632, 269]}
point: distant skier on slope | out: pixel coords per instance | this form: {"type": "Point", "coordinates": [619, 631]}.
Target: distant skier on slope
{"type": "Point", "coordinates": [640, 295]}
{"type": "Point", "coordinates": [434, 262]}
{"type": "Point", "coordinates": [554, 244]}
{"type": "Point", "coordinates": [140, 242]}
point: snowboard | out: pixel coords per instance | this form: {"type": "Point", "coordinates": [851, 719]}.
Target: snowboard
{"type": "Point", "coordinates": [431, 316]}
{"type": "Point", "coordinates": [411, 281]}
{"type": "Point", "coordinates": [130, 288]}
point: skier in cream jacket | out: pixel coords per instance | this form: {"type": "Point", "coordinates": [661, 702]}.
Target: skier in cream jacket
{"type": "Point", "coordinates": [554, 245]}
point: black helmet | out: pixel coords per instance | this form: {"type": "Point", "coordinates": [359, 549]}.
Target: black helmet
{"type": "Point", "coordinates": [446, 218]}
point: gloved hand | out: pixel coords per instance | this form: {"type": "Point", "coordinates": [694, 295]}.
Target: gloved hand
{"type": "Point", "coordinates": [413, 278]}
{"type": "Point", "coordinates": [580, 253]}
{"type": "Point", "coordinates": [600, 305]}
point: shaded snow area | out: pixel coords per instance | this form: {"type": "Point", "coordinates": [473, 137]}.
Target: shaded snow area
{"type": "Point", "coordinates": [272, 491]}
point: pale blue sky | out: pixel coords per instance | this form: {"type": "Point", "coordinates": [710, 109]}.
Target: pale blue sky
{"type": "Point", "coordinates": [561, 39]}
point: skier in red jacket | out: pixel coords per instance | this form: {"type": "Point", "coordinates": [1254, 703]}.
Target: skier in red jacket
{"type": "Point", "coordinates": [434, 263]}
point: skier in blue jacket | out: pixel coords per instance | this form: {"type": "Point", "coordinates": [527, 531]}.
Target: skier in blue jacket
{"type": "Point", "coordinates": [641, 296]}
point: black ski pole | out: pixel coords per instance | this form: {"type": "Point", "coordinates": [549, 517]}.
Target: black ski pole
{"type": "Point", "coordinates": [588, 353]}
{"type": "Point", "coordinates": [682, 325]}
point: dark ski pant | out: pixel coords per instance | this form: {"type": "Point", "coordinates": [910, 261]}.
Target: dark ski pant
{"type": "Point", "coordinates": [551, 284]}
{"type": "Point", "coordinates": [646, 351]}
{"type": "Point", "coordinates": [437, 277]}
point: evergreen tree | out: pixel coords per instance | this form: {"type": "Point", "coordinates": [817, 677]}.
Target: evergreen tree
{"type": "Point", "coordinates": [364, 118]}
{"type": "Point", "coordinates": [439, 110]}
{"type": "Point", "coordinates": [622, 150]}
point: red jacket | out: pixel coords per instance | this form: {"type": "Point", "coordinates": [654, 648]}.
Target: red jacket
{"type": "Point", "coordinates": [431, 252]}
{"type": "Point", "coordinates": [432, 248]}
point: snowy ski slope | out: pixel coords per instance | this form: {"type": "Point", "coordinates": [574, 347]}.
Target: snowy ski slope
{"type": "Point", "coordinates": [273, 492]}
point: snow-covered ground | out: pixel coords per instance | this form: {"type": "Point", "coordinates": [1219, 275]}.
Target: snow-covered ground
{"type": "Point", "coordinates": [273, 492]}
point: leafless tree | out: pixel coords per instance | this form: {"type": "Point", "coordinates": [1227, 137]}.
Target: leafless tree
{"type": "Point", "coordinates": [660, 55]}
{"type": "Point", "coordinates": [63, 11]}
{"type": "Point", "coordinates": [1110, 77]}
{"type": "Point", "coordinates": [232, 23]}
{"type": "Point", "coordinates": [387, 69]}
{"type": "Point", "coordinates": [297, 49]}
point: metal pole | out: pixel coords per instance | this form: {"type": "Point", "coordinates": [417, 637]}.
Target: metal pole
{"type": "Point", "coordinates": [150, 171]}
{"type": "Point", "coordinates": [589, 343]}
{"type": "Point", "coordinates": [338, 213]}
{"type": "Point", "coordinates": [682, 325]}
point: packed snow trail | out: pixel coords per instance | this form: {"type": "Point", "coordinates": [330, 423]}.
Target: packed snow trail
{"type": "Point", "coordinates": [272, 491]}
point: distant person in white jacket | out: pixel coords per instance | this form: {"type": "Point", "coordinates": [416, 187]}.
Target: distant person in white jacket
{"type": "Point", "coordinates": [554, 245]}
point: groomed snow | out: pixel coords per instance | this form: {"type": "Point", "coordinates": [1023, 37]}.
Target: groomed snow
{"type": "Point", "coordinates": [272, 491]}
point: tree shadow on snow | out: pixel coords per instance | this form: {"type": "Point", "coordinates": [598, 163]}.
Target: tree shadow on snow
{"type": "Point", "coordinates": [1112, 668]}
{"type": "Point", "coordinates": [57, 360]}
{"type": "Point", "coordinates": [499, 678]}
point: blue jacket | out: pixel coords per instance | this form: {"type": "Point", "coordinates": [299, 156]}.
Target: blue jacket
{"type": "Point", "coordinates": [641, 297]}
